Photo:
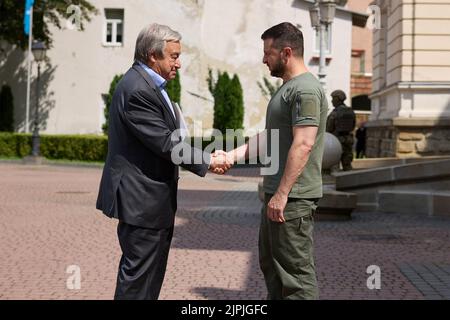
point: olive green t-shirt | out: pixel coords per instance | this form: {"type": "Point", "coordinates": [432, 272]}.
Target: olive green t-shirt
{"type": "Point", "coordinates": [300, 101]}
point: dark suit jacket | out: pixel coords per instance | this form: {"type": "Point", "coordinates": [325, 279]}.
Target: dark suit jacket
{"type": "Point", "coordinates": [139, 182]}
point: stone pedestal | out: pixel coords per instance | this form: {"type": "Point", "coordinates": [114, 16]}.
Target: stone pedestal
{"type": "Point", "coordinates": [332, 152]}
{"type": "Point", "coordinates": [336, 205]}
{"type": "Point", "coordinates": [405, 138]}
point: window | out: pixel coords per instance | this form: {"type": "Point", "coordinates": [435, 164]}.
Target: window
{"type": "Point", "coordinates": [358, 62]}
{"type": "Point", "coordinates": [113, 30]}
{"type": "Point", "coordinates": [327, 41]}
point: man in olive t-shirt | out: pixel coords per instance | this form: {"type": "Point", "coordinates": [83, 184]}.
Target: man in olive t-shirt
{"type": "Point", "coordinates": [298, 102]}
{"type": "Point", "coordinates": [298, 111]}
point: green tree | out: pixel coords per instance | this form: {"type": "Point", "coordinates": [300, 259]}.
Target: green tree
{"type": "Point", "coordinates": [45, 12]}
{"type": "Point", "coordinates": [108, 100]}
{"type": "Point", "coordinates": [236, 104]}
{"type": "Point", "coordinates": [6, 109]}
{"type": "Point", "coordinates": [228, 101]}
{"type": "Point", "coordinates": [173, 89]}
{"type": "Point", "coordinates": [218, 90]}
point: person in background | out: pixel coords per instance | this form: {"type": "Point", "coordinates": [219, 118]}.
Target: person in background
{"type": "Point", "coordinates": [341, 123]}
{"type": "Point", "coordinates": [361, 141]}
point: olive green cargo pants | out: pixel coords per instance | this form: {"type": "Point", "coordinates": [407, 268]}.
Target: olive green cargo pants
{"type": "Point", "coordinates": [286, 251]}
{"type": "Point", "coordinates": [347, 151]}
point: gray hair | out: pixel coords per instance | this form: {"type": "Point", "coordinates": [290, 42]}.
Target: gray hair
{"type": "Point", "coordinates": [152, 39]}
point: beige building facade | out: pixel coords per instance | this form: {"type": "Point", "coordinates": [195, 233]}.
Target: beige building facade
{"type": "Point", "coordinates": [221, 35]}
{"type": "Point", "coordinates": [411, 80]}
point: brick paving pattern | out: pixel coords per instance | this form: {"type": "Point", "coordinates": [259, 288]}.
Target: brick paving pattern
{"type": "Point", "coordinates": [432, 279]}
{"type": "Point", "coordinates": [48, 222]}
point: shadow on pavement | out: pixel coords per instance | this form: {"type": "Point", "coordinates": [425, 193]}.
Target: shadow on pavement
{"type": "Point", "coordinates": [221, 221]}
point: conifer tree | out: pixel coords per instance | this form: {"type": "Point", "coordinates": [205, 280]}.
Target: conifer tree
{"type": "Point", "coordinates": [108, 100]}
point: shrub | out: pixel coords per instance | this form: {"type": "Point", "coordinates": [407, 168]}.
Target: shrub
{"type": "Point", "coordinates": [173, 89]}
{"type": "Point", "coordinates": [70, 147]}
{"type": "Point", "coordinates": [236, 104]}
{"type": "Point", "coordinates": [228, 101]}
{"type": "Point", "coordinates": [108, 100]}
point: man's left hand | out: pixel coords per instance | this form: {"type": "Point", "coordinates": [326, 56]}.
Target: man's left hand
{"type": "Point", "coordinates": [275, 208]}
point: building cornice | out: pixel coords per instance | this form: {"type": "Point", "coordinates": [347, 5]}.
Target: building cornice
{"type": "Point", "coordinates": [417, 86]}
{"type": "Point", "coordinates": [420, 122]}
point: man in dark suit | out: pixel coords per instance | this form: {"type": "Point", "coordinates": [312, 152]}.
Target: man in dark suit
{"type": "Point", "coordinates": [140, 176]}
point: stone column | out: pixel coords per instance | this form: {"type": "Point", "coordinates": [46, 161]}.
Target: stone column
{"type": "Point", "coordinates": [411, 88]}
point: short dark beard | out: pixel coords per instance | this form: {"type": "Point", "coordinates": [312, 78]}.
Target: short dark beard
{"type": "Point", "coordinates": [278, 70]}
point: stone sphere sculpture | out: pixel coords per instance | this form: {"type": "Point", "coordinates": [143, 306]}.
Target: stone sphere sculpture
{"type": "Point", "coordinates": [332, 151]}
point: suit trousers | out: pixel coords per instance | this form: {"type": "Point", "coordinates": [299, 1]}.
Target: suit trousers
{"type": "Point", "coordinates": [143, 263]}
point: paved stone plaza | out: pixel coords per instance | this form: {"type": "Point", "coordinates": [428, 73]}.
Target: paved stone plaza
{"type": "Point", "coordinates": [48, 222]}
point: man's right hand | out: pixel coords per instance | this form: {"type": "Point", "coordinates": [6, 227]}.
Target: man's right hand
{"type": "Point", "coordinates": [221, 162]}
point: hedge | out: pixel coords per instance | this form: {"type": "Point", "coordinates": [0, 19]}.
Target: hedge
{"type": "Point", "coordinates": [69, 147]}
{"type": "Point", "coordinates": [220, 142]}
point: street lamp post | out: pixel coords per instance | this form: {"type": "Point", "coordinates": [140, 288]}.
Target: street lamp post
{"type": "Point", "coordinates": [322, 15]}
{"type": "Point", "coordinates": [38, 48]}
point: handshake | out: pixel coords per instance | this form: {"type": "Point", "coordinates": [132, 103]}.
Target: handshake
{"type": "Point", "coordinates": [221, 161]}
